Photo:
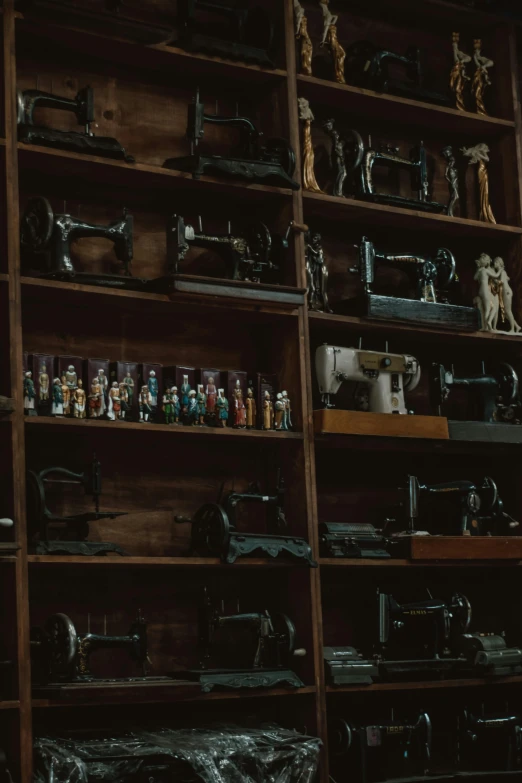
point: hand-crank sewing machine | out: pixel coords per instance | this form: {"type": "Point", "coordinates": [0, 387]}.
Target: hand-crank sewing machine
{"type": "Point", "coordinates": [82, 106]}
{"type": "Point", "coordinates": [490, 741]}
{"type": "Point", "coordinates": [215, 532]}
{"type": "Point", "coordinates": [431, 276]}
{"type": "Point", "coordinates": [73, 529]}
{"type": "Point", "coordinates": [263, 645]}
{"type": "Point", "coordinates": [60, 653]}
{"type": "Point", "coordinates": [380, 751]}
{"type": "Point", "coordinates": [492, 397]}
{"type": "Point", "coordinates": [273, 163]}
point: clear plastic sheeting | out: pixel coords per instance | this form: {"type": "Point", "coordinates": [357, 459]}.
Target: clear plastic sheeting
{"type": "Point", "coordinates": [219, 754]}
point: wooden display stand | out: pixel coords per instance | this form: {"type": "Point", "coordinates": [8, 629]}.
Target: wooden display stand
{"type": "Point", "coordinates": [332, 421]}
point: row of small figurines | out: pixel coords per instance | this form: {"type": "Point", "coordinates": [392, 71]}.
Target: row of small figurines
{"type": "Point", "coordinates": [459, 78]}
{"type": "Point", "coordinates": [206, 406]}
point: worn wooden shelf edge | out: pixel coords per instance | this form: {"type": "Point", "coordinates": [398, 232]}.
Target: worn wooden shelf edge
{"type": "Point", "coordinates": [4, 277]}
{"type": "Point", "coordinates": [327, 562]}
{"type": "Point", "coordinates": [11, 704]}
{"type": "Point", "coordinates": [328, 421]}
{"type": "Point", "coordinates": [351, 98]}
{"type": "Point", "coordinates": [475, 682]}
{"type": "Point", "coordinates": [151, 562]}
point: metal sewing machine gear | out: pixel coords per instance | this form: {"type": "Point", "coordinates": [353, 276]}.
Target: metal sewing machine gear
{"type": "Point", "coordinates": [387, 375]}
{"type": "Point", "coordinates": [346, 666]}
{"type": "Point", "coordinates": [82, 106]}
{"type": "Point", "coordinates": [345, 539]}
{"type": "Point", "coordinates": [250, 30]}
{"type": "Point", "coordinates": [490, 741]}
{"type": "Point", "coordinates": [41, 520]}
{"type": "Point", "coordinates": [272, 164]}
{"type": "Point", "coordinates": [47, 238]}
{"type": "Point", "coordinates": [62, 654]}
{"type": "Point", "coordinates": [492, 397]}
{"type": "Point", "coordinates": [382, 750]}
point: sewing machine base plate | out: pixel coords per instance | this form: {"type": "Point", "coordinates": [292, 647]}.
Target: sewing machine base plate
{"type": "Point", "coordinates": [339, 422]}
{"type": "Point", "coordinates": [103, 146]}
{"type": "Point", "coordinates": [352, 549]}
{"type": "Point", "coordinates": [123, 282]}
{"type": "Point", "coordinates": [421, 669]}
{"type": "Point", "coordinates": [227, 49]}
{"type": "Point", "coordinates": [243, 678]}
{"type": "Point", "coordinates": [238, 289]}
{"type": "Point", "coordinates": [448, 316]}
{"type": "Point", "coordinates": [403, 201]}
{"type": "Point", "coordinates": [244, 544]}
{"type": "Point", "coordinates": [485, 432]}
{"type": "Point", "coordinates": [405, 90]}
{"type": "Point", "coordinates": [264, 172]}
{"type": "Point", "coordinates": [465, 548]}
{"type": "Point", "coordinates": [86, 548]}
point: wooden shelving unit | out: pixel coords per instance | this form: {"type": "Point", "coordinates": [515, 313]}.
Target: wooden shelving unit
{"type": "Point", "coordinates": [141, 96]}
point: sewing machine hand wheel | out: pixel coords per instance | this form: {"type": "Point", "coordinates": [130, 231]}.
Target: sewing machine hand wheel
{"type": "Point", "coordinates": [280, 151]}
{"type": "Point", "coordinates": [37, 224]}
{"type": "Point", "coordinates": [339, 736]}
{"type": "Point", "coordinates": [63, 643]}
{"type": "Point", "coordinates": [488, 494]}
{"type": "Point", "coordinates": [446, 267]}
{"type": "Point", "coordinates": [353, 150]}
{"type": "Point", "coordinates": [508, 383]}
{"type": "Point", "coordinates": [210, 530]}
{"type": "Point", "coordinates": [461, 611]}
{"type": "Point", "coordinates": [259, 241]}
{"type": "Point", "coordinates": [285, 630]}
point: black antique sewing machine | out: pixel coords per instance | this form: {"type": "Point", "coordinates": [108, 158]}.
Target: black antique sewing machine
{"type": "Point", "coordinates": [248, 32]}
{"type": "Point", "coordinates": [432, 276]}
{"type": "Point", "coordinates": [250, 255]}
{"type": "Point", "coordinates": [46, 238]}
{"type": "Point", "coordinates": [368, 66]}
{"type": "Point", "coordinates": [490, 741]}
{"type": "Point", "coordinates": [346, 539]}
{"type": "Point", "coordinates": [245, 650]}
{"type": "Point", "coordinates": [61, 654]}
{"type": "Point", "coordinates": [346, 666]}
{"type": "Point", "coordinates": [458, 508]}
{"type": "Point", "coordinates": [215, 533]}
{"type": "Point", "coordinates": [82, 106]}
{"type": "Point", "coordinates": [361, 161]}
{"type": "Point", "coordinates": [380, 751]}
{"type": "Point", "coordinates": [492, 397]}
{"type": "Point", "coordinates": [72, 529]}
{"type": "Point", "coordinates": [271, 163]}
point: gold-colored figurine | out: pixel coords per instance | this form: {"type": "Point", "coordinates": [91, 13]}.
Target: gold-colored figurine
{"type": "Point", "coordinates": [458, 75]}
{"type": "Point", "coordinates": [481, 78]}
{"type": "Point", "coordinates": [302, 35]}
{"type": "Point", "coordinates": [309, 180]}
{"type": "Point", "coordinates": [330, 38]}
{"type": "Point", "coordinates": [479, 155]}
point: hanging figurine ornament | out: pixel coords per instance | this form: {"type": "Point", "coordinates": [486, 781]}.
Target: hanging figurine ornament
{"type": "Point", "coordinates": [458, 75]}
{"type": "Point", "coordinates": [330, 38]}
{"type": "Point", "coordinates": [316, 274]}
{"type": "Point", "coordinates": [306, 116]}
{"type": "Point", "coordinates": [302, 35]}
{"type": "Point", "coordinates": [481, 78]}
{"type": "Point", "coordinates": [452, 178]}
{"type": "Point", "coordinates": [479, 155]}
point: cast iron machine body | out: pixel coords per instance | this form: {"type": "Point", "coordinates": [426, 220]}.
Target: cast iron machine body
{"type": "Point", "coordinates": [490, 741]}
{"type": "Point", "coordinates": [382, 750]}
{"type": "Point", "coordinates": [42, 520]}
{"type": "Point", "coordinates": [271, 163]}
{"type": "Point", "coordinates": [491, 397]}
{"type": "Point", "coordinates": [346, 539]}
{"type": "Point", "coordinates": [488, 654]}
{"type": "Point", "coordinates": [82, 106]}
{"type": "Point", "coordinates": [62, 654]}
{"type": "Point", "coordinates": [386, 374]}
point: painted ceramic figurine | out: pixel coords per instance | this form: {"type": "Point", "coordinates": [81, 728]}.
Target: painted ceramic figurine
{"type": "Point", "coordinates": [222, 406]}
{"type": "Point", "coordinates": [29, 395]}
{"type": "Point", "coordinates": [176, 405]}
{"type": "Point", "coordinates": [152, 383]}
{"type": "Point", "coordinates": [114, 406]}
{"type": "Point", "coordinates": [279, 411]}
{"type": "Point", "coordinates": [287, 415]}
{"type": "Point", "coordinates": [251, 410]}
{"type": "Point", "coordinates": [71, 378]}
{"type": "Point", "coordinates": [306, 117]}
{"type": "Point", "coordinates": [124, 399]}
{"type": "Point", "coordinates": [168, 406]}
{"type": "Point", "coordinates": [145, 403]}
{"type": "Point", "coordinates": [481, 78]}
{"type": "Point", "coordinates": [185, 391]}
{"type": "Point", "coordinates": [104, 386]}
{"type": "Point", "coordinates": [479, 155]}
{"type": "Point", "coordinates": [328, 19]}
{"type": "Point", "coordinates": [505, 297]}
{"type": "Point", "coordinates": [66, 395]}
{"type": "Point", "coordinates": [192, 409]}
{"type": "Point", "coordinates": [239, 407]}
{"type": "Point", "coordinates": [43, 382]}
{"type": "Point", "coordinates": [487, 298]}
{"type": "Point", "coordinates": [57, 398]}
{"type": "Point", "coordinates": [337, 51]}
{"type": "Point", "coordinates": [211, 393]}
{"type": "Point", "coordinates": [452, 178]}
{"type": "Point", "coordinates": [129, 384]}
{"type": "Point", "coordinates": [95, 399]}
{"type": "Point", "coordinates": [268, 412]}
{"type": "Point", "coordinates": [201, 399]}
{"type": "Point", "coordinates": [302, 35]}
{"type": "Point", "coordinates": [79, 399]}
{"type": "Point", "coordinates": [316, 274]}
{"type": "Point", "coordinates": [458, 75]}
{"type": "Point", "coordinates": [337, 157]}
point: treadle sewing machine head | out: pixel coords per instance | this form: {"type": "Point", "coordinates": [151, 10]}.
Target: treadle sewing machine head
{"type": "Point", "coordinates": [82, 106]}
{"type": "Point", "coordinates": [493, 397]}
{"type": "Point", "coordinates": [249, 37]}
{"type": "Point", "coordinates": [380, 751]}
{"type": "Point", "coordinates": [458, 508]}
{"type": "Point", "coordinates": [42, 521]}
{"type": "Point", "coordinates": [387, 375]}
{"type": "Point", "coordinates": [490, 741]}
{"type": "Point", "coordinates": [60, 653]}
{"type": "Point", "coordinates": [215, 533]}
{"type": "Point", "coordinates": [250, 255]}
{"type": "Point", "coordinates": [271, 164]}
{"type": "Point", "coordinates": [262, 645]}
{"type": "Point", "coordinates": [47, 238]}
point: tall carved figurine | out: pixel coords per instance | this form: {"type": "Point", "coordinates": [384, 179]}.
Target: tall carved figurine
{"type": "Point", "coordinates": [316, 273]}
{"type": "Point", "coordinates": [104, 386]}
{"type": "Point", "coordinates": [458, 75]}
{"type": "Point", "coordinates": [481, 78]}
{"type": "Point", "coordinates": [251, 411]}
{"type": "Point", "coordinates": [79, 399]}
{"type": "Point", "coordinates": [328, 19]}
{"type": "Point", "coordinates": [66, 395]}
{"type": "Point", "coordinates": [71, 378]}
{"type": "Point", "coordinates": [176, 405]}
{"type": "Point", "coordinates": [114, 405]}
{"type": "Point", "coordinates": [211, 393]}
{"type": "Point", "coordinates": [287, 414]}
{"type": "Point", "coordinates": [337, 157]}
{"type": "Point", "coordinates": [505, 294]}
{"type": "Point", "coordinates": [95, 399]}
{"type": "Point", "coordinates": [302, 35]}
{"type": "Point", "coordinates": [124, 399]}
{"type": "Point", "coordinates": [192, 409]}
{"type": "Point", "coordinates": [145, 403]}
{"type": "Point", "coordinates": [43, 382]}
{"type": "Point", "coordinates": [486, 300]}
{"type": "Point", "coordinates": [279, 411]}
{"type": "Point", "coordinates": [268, 412]}
{"type": "Point", "coordinates": [168, 408]}
{"type": "Point", "coordinates": [479, 155]}
{"type": "Point", "coordinates": [239, 407]}
{"type": "Point", "coordinates": [306, 116]}
{"type": "Point", "coordinates": [338, 54]}
{"type": "Point", "coordinates": [57, 398]}
{"type": "Point", "coordinates": [201, 398]}
{"type": "Point", "coordinates": [29, 395]}
{"type": "Point", "coordinates": [185, 391]}
{"type": "Point", "coordinates": [452, 178]}
{"type": "Point", "coordinates": [129, 383]}
{"type": "Point", "coordinates": [222, 406]}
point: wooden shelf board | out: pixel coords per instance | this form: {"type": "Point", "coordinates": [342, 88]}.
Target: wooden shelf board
{"type": "Point", "coordinates": [414, 445]}
{"type": "Point", "coordinates": [366, 212]}
{"type": "Point", "coordinates": [4, 278]}
{"type": "Point", "coordinates": [357, 100]}
{"type": "Point", "coordinates": [141, 693]}
{"type": "Point", "coordinates": [104, 171]}
{"type": "Point", "coordinates": [49, 422]}
{"type": "Point", "coordinates": [12, 704]}
{"type": "Point", "coordinates": [474, 682]}
{"type": "Point", "coordinates": [413, 331]}
{"type": "Point", "coordinates": [326, 562]}
{"type": "Point", "coordinates": [152, 562]}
